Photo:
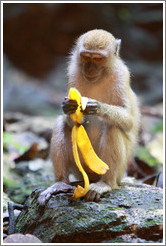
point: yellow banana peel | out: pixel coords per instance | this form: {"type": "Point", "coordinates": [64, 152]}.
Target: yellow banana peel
{"type": "Point", "coordinates": [81, 139]}
{"type": "Point", "coordinates": [88, 153]}
{"type": "Point", "coordinates": [75, 95]}
{"type": "Point", "coordinates": [79, 191]}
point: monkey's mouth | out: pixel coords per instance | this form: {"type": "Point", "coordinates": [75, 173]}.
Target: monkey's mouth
{"type": "Point", "coordinates": [91, 77]}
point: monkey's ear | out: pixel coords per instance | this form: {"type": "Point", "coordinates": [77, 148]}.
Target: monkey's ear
{"type": "Point", "coordinates": [117, 48]}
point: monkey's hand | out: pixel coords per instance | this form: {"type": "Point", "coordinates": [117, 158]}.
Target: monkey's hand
{"type": "Point", "coordinates": [69, 106]}
{"type": "Point", "coordinates": [96, 190]}
{"type": "Point", "coordinates": [91, 107]}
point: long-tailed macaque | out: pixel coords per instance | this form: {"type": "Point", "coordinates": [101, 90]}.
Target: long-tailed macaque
{"type": "Point", "coordinates": [111, 117]}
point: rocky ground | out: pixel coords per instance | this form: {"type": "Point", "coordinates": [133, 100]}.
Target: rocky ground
{"type": "Point", "coordinates": [134, 213]}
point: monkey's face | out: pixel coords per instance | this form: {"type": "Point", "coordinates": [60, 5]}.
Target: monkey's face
{"type": "Point", "coordinates": [92, 65]}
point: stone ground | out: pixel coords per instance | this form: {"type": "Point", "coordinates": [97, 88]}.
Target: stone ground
{"type": "Point", "coordinates": [133, 213]}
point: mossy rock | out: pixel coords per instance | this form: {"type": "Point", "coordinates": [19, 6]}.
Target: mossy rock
{"type": "Point", "coordinates": [134, 209]}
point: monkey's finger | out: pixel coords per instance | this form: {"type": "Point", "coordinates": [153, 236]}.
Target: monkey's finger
{"type": "Point", "coordinates": [91, 107]}
{"type": "Point", "coordinates": [92, 104]}
{"type": "Point", "coordinates": [97, 197]}
{"type": "Point", "coordinates": [69, 110]}
{"type": "Point", "coordinates": [69, 106]}
{"type": "Point", "coordinates": [69, 102]}
{"type": "Point", "coordinates": [92, 196]}
{"type": "Point", "coordinates": [72, 111]}
{"type": "Point", "coordinates": [90, 111]}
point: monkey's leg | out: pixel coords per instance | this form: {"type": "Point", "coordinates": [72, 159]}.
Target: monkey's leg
{"type": "Point", "coordinates": [59, 155]}
{"type": "Point", "coordinates": [114, 153]}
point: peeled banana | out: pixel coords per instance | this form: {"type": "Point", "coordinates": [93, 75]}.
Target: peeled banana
{"type": "Point", "coordinates": [81, 139]}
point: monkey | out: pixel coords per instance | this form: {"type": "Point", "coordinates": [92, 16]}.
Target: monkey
{"type": "Point", "coordinates": [111, 117]}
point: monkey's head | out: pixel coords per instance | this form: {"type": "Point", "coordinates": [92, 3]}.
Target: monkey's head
{"type": "Point", "coordinates": [96, 50]}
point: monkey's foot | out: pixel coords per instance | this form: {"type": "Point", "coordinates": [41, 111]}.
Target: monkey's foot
{"type": "Point", "coordinates": [58, 187]}
{"type": "Point", "coordinates": [96, 190]}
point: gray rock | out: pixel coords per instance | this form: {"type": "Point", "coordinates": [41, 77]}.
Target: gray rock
{"type": "Point", "coordinates": [132, 213]}
{"type": "Point", "coordinates": [20, 238]}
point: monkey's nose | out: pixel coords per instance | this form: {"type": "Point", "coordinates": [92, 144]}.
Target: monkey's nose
{"type": "Point", "coordinates": [90, 69]}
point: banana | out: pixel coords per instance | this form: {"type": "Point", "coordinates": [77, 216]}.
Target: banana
{"type": "Point", "coordinates": [81, 139]}
{"type": "Point", "coordinates": [88, 154]}
{"type": "Point", "coordinates": [75, 95]}
{"type": "Point", "coordinates": [79, 191]}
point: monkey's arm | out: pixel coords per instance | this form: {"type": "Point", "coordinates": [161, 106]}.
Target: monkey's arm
{"type": "Point", "coordinates": [114, 115]}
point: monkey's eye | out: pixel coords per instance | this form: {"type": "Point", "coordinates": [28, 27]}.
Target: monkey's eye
{"type": "Point", "coordinates": [97, 58]}
{"type": "Point", "coordinates": [85, 58]}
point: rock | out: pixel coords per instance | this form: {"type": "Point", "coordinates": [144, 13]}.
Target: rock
{"type": "Point", "coordinates": [132, 213]}
{"type": "Point", "coordinates": [20, 238]}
